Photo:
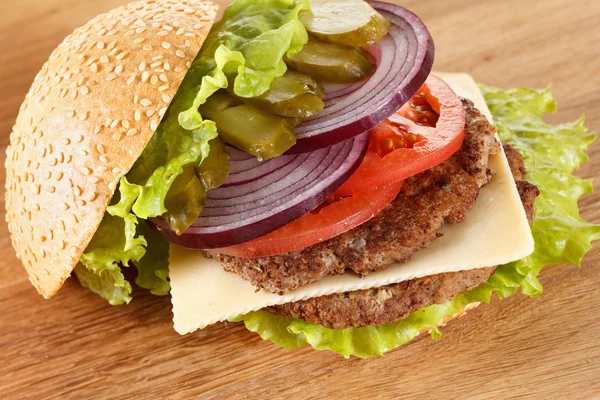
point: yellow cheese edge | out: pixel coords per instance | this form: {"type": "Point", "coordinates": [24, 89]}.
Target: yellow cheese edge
{"type": "Point", "coordinates": [495, 232]}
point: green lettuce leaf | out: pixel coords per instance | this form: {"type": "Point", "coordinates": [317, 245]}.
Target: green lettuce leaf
{"type": "Point", "coordinates": [114, 244]}
{"type": "Point", "coordinates": [153, 267]}
{"type": "Point", "coordinates": [246, 46]}
{"type": "Point", "coordinates": [561, 236]}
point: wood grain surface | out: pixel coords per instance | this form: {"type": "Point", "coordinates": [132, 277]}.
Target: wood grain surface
{"type": "Point", "coordinates": [76, 346]}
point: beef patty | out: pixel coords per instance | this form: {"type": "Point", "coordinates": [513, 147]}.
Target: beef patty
{"type": "Point", "coordinates": [427, 200]}
{"type": "Point", "coordinates": [393, 302]}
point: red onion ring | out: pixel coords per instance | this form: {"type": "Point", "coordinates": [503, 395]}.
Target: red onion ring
{"type": "Point", "coordinates": [404, 60]}
{"type": "Point", "coordinates": [259, 197]}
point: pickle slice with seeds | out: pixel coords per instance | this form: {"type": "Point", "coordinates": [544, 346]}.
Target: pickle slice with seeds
{"type": "Point", "coordinates": [348, 22]}
{"type": "Point", "coordinates": [330, 62]}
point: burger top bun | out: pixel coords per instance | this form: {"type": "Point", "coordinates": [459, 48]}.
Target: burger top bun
{"type": "Point", "coordinates": [90, 112]}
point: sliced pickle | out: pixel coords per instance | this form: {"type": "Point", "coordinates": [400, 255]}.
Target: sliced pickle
{"type": "Point", "coordinates": [294, 95]}
{"type": "Point", "coordinates": [348, 22]}
{"type": "Point", "coordinates": [215, 168]}
{"type": "Point", "coordinates": [254, 131]}
{"type": "Point", "coordinates": [219, 101]}
{"type": "Point", "coordinates": [185, 200]}
{"type": "Point", "coordinates": [331, 62]}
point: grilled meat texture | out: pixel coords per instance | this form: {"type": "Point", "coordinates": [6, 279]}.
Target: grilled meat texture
{"type": "Point", "coordinates": [441, 194]}
{"type": "Point", "coordinates": [394, 302]}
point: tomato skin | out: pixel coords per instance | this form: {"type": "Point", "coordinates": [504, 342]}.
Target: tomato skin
{"type": "Point", "coordinates": [330, 221]}
{"type": "Point", "coordinates": [422, 134]}
{"type": "Point", "coordinates": [433, 145]}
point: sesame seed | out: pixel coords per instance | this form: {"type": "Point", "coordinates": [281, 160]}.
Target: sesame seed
{"type": "Point", "coordinates": [142, 66]}
{"type": "Point", "coordinates": [125, 124]}
{"type": "Point", "coordinates": [188, 43]}
{"type": "Point", "coordinates": [116, 170]}
{"type": "Point", "coordinates": [167, 66]}
{"type": "Point", "coordinates": [51, 189]}
{"type": "Point", "coordinates": [114, 123]}
{"type": "Point", "coordinates": [147, 47]}
{"type": "Point", "coordinates": [101, 149]}
{"type": "Point", "coordinates": [66, 206]}
{"type": "Point", "coordinates": [167, 28]}
{"type": "Point", "coordinates": [145, 102]}
{"type": "Point", "coordinates": [164, 78]}
{"type": "Point", "coordinates": [59, 176]}
{"type": "Point", "coordinates": [178, 69]}
{"type": "Point", "coordinates": [122, 55]}
{"type": "Point", "coordinates": [145, 76]}
{"type": "Point", "coordinates": [92, 196]}
{"type": "Point", "coordinates": [97, 129]}
{"type": "Point", "coordinates": [189, 34]}
{"type": "Point", "coordinates": [162, 33]}
{"type": "Point", "coordinates": [137, 115]}
{"type": "Point", "coordinates": [166, 45]}
{"type": "Point", "coordinates": [110, 77]}
{"type": "Point", "coordinates": [162, 111]}
{"type": "Point", "coordinates": [132, 132]}
{"type": "Point", "coordinates": [102, 168]}
{"type": "Point", "coordinates": [138, 40]}
{"type": "Point", "coordinates": [104, 59]}
{"type": "Point", "coordinates": [103, 159]}
{"type": "Point", "coordinates": [100, 45]}
{"type": "Point", "coordinates": [166, 98]}
{"type": "Point", "coordinates": [140, 30]}
{"type": "Point", "coordinates": [94, 179]}
{"type": "Point", "coordinates": [156, 64]}
{"type": "Point", "coordinates": [153, 125]}
{"type": "Point", "coordinates": [66, 141]}
{"type": "Point", "coordinates": [131, 79]}
{"type": "Point", "coordinates": [77, 190]}
{"type": "Point", "coordinates": [119, 69]}
{"type": "Point", "coordinates": [84, 90]}
{"type": "Point", "coordinates": [180, 54]}
{"type": "Point", "coordinates": [154, 80]}
{"type": "Point", "coordinates": [158, 57]}
{"type": "Point", "coordinates": [94, 67]}
{"type": "Point", "coordinates": [112, 185]}
{"type": "Point", "coordinates": [150, 113]}
{"type": "Point", "coordinates": [70, 113]}
{"type": "Point", "coordinates": [85, 170]}
{"type": "Point", "coordinates": [180, 31]}
{"type": "Point", "coordinates": [80, 202]}
{"type": "Point", "coordinates": [83, 116]}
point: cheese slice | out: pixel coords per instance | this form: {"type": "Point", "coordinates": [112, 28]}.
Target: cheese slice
{"type": "Point", "coordinates": [495, 232]}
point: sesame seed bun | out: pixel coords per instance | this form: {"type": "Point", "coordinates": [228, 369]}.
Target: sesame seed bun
{"type": "Point", "coordinates": [90, 112]}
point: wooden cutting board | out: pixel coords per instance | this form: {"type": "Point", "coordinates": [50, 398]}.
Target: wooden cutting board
{"type": "Point", "coordinates": [76, 346]}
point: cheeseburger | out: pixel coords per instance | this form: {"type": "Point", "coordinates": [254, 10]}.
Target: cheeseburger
{"type": "Point", "coordinates": [295, 165]}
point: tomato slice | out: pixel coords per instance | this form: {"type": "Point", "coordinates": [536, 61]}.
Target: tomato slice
{"type": "Point", "coordinates": [422, 134]}
{"type": "Point", "coordinates": [329, 221]}
{"type": "Point", "coordinates": [425, 132]}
